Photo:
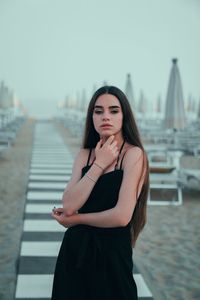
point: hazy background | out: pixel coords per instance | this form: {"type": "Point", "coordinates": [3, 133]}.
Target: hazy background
{"type": "Point", "coordinates": [53, 48]}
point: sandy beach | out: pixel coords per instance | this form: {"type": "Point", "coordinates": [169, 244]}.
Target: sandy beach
{"type": "Point", "coordinates": [14, 169]}
{"type": "Point", "coordinates": [167, 251]}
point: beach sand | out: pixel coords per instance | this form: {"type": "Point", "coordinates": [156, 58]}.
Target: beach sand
{"type": "Point", "coordinates": [167, 250]}
{"type": "Point", "coordinates": [14, 170]}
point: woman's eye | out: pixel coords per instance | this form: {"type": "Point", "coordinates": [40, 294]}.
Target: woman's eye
{"type": "Point", "coordinates": [114, 111]}
{"type": "Point", "coordinates": [98, 112]}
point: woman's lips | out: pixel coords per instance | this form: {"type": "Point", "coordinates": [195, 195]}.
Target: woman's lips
{"type": "Point", "coordinates": [106, 126]}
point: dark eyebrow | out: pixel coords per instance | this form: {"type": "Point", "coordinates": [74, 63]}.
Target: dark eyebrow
{"type": "Point", "coordinates": [112, 106]}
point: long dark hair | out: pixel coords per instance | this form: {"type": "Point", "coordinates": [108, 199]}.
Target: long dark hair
{"type": "Point", "coordinates": [131, 135]}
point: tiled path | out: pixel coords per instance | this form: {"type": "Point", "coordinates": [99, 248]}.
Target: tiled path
{"type": "Point", "coordinates": [50, 170]}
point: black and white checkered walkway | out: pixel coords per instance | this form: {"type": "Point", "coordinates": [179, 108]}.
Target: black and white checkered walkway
{"type": "Point", "coordinates": [41, 239]}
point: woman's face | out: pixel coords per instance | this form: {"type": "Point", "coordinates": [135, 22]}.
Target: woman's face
{"type": "Point", "coordinates": [107, 115]}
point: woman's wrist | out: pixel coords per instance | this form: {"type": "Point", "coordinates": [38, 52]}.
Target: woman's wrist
{"type": "Point", "coordinates": [75, 219]}
{"type": "Point", "coordinates": [98, 165]}
{"type": "Point", "coordinates": [95, 171]}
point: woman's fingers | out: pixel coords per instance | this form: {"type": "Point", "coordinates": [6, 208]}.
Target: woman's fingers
{"type": "Point", "coordinates": [116, 150]}
{"type": "Point", "coordinates": [60, 218]}
{"type": "Point", "coordinates": [58, 210]}
{"type": "Point", "coordinates": [55, 216]}
{"type": "Point", "coordinates": [113, 145]}
{"type": "Point", "coordinates": [106, 153]}
{"type": "Point", "coordinates": [109, 140]}
{"type": "Point", "coordinates": [98, 146]}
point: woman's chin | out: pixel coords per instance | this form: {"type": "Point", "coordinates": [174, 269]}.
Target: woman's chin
{"type": "Point", "coordinates": [106, 135]}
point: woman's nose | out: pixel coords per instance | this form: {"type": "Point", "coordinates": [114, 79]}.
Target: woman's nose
{"type": "Point", "coordinates": [106, 116]}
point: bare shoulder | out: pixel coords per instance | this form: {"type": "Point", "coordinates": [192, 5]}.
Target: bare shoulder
{"type": "Point", "coordinates": [81, 157]}
{"type": "Point", "coordinates": [133, 154]}
{"type": "Point", "coordinates": [79, 162]}
{"type": "Point", "coordinates": [83, 153]}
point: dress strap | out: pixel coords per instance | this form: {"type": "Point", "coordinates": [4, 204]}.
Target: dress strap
{"type": "Point", "coordinates": [89, 157]}
{"type": "Point", "coordinates": [122, 160]}
{"type": "Point", "coordinates": [119, 154]}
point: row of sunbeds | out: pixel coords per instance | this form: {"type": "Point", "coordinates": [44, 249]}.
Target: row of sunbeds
{"type": "Point", "coordinates": [8, 134]}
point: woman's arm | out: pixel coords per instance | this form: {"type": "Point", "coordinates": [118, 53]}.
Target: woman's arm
{"type": "Point", "coordinates": [107, 218]}
{"type": "Point", "coordinates": [121, 214]}
{"type": "Point", "coordinates": [78, 190]}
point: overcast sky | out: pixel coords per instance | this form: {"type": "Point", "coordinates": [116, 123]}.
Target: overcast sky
{"type": "Point", "coordinates": [53, 48]}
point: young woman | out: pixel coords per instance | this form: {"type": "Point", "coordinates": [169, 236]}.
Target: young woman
{"type": "Point", "coordinates": [104, 205]}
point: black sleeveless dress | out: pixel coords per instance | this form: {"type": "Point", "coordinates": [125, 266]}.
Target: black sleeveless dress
{"type": "Point", "coordinates": [96, 263]}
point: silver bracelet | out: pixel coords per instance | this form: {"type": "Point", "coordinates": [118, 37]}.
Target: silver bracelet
{"type": "Point", "coordinates": [90, 178]}
{"type": "Point", "coordinates": [98, 166]}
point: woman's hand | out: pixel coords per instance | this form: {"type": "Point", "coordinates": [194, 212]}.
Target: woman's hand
{"type": "Point", "coordinates": [66, 221]}
{"type": "Point", "coordinates": [106, 153]}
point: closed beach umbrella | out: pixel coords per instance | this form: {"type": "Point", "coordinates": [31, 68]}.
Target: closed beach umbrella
{"type": "Point", "coordinates": [159, 104]}
{"type": "Point", "coordinates": [4, 96]}
{"type": "Point", "coordinates": [66, 102]}
{"type": "Point", "coordinates": [78, 100]}
{"type": "Point", "coordinates": [189, 103]}
{"type": "Point", "coordinates": [83, 101]}
{"type": "Point", "coordinates": [129, 91]}
{"type": "Point", "coordinates": [193, 104]}
{"type": "Point", "coordinates": [1, 94]}
{"type": "Point", "coordinates": [174, 109]}
{"type": "Point", "coordinates": [198, 113]}
{"type": "Point", "coordinates": [105, 82]}
{"type": "Point", "coordinates": [10, 100]}
{"type": "Point", "coordinates": [94, 88]}
{"type": "Point", "coordinates": [6, 102]}
{"type": "Point", "coordinates": [142, 104]}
